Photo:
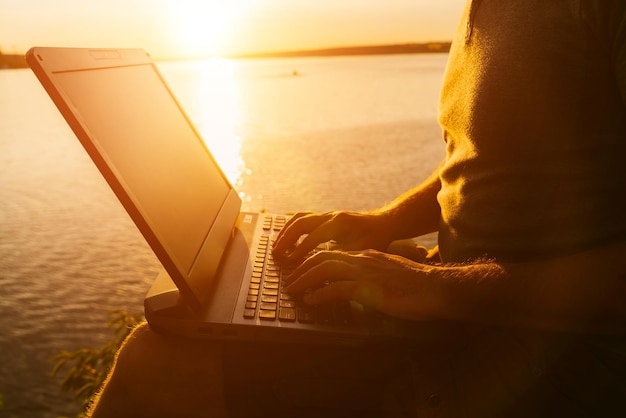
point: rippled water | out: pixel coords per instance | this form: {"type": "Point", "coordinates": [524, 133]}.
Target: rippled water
{"type": "Point", "coordinates": [343, 133]}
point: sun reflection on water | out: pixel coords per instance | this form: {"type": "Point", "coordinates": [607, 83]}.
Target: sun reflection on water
{"type": "Point", "coordinates": [217, 114]}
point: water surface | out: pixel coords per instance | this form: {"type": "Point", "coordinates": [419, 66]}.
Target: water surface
{"type": "Point", "coordinates": [291, 134]}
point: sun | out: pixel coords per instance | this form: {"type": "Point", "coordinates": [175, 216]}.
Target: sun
{"type": "Point", "coordinates": [202, 28]}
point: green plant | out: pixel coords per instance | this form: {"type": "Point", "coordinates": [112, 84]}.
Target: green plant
{"type": "Point", "coordinates": [88, 367]}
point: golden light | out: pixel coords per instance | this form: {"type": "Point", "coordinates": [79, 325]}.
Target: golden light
{"type": "Point", "coordinates": [204, 28]}
{"type": "Point", "coordinates": [211, 95]}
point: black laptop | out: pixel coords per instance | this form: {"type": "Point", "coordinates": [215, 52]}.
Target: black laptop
{"type": "Point", "coordinates": [219, 280]}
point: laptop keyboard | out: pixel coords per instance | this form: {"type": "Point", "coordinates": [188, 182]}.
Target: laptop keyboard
{"type": "Point", "coordinates": [267, 299]}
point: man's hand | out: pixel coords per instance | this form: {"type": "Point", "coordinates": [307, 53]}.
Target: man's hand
{"type": "Point", "coordinates": [555, 294]}
{"type": "Point", "coordinates": [349, 230]}
{"type": "Point", "coordinates": [388, 283]}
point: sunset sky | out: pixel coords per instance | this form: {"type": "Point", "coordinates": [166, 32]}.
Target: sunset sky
{"type": "Point", "coordinates": [197, 28]}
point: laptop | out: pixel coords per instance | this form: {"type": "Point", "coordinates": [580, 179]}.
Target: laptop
{"type": "Point", "coordinates": [219, 280]}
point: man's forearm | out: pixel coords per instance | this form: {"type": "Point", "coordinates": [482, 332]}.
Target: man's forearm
{"type": "Point", "coordinates": [416, 212]}
{"type": "Point", "coordinates": [583, 292]}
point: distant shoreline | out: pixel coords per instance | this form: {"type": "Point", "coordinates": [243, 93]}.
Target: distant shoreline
{"type": "Point", "coordinates": [12, 61]}
{"type": "Point", "coordinates": [409, 48]}
{"type": "Point", "coordinates": [8, 61]}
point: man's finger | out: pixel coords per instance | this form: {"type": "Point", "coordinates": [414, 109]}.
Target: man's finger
{"type": "Point", "coordinates": [323, 233]}
{"type": "Point", "coordinates": [367, 294]}
{"type": "Point", "coordinates": [294, 229]}
{"type": "Point", "coordinates": [289, 222]}
{"type": "Point", "coordinates": [337, 291]}
{"type": "Point", "coordinates": [314, 261]}
{"type": "Point", "coordinates": [317, 274]}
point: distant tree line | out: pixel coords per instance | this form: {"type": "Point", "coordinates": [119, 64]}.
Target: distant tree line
{"type": "Point", "coordinates": [12, 61]}
{"type": "Point", "coordinates": [18, 61]}
{"type": "Point", "coordinates": [411, 48]}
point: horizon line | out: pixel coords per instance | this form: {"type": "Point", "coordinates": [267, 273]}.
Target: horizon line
{"type": "Point", "coordinates": [372, 49]}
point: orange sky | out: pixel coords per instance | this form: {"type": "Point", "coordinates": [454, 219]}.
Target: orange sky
{"type": "Point", "coordinates": [177, 28]}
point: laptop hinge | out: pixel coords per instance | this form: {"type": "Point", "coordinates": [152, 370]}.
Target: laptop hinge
{"type": "Point", "coordinates": [164, 298]}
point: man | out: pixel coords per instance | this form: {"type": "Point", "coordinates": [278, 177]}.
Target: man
{"type": "Point", "coordinates": [530, 271]}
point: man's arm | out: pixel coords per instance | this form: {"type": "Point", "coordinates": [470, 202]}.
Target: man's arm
{"type": "Point", "coordinates": [416, 212]}
{"type": "Point", "coordinates": [581, 292]}
{"type": "Point", "coordinates": [412, 214]}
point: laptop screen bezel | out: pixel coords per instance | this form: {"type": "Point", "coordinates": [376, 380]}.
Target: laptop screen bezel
{"type": "Point", "coordinates": [194, 284]}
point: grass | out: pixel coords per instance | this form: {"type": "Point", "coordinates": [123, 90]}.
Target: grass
{"type": "Point", "coordinates": [86, 368]}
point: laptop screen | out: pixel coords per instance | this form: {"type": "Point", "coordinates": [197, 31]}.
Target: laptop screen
{"type": "Point", "coordinates": [152, 149]}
